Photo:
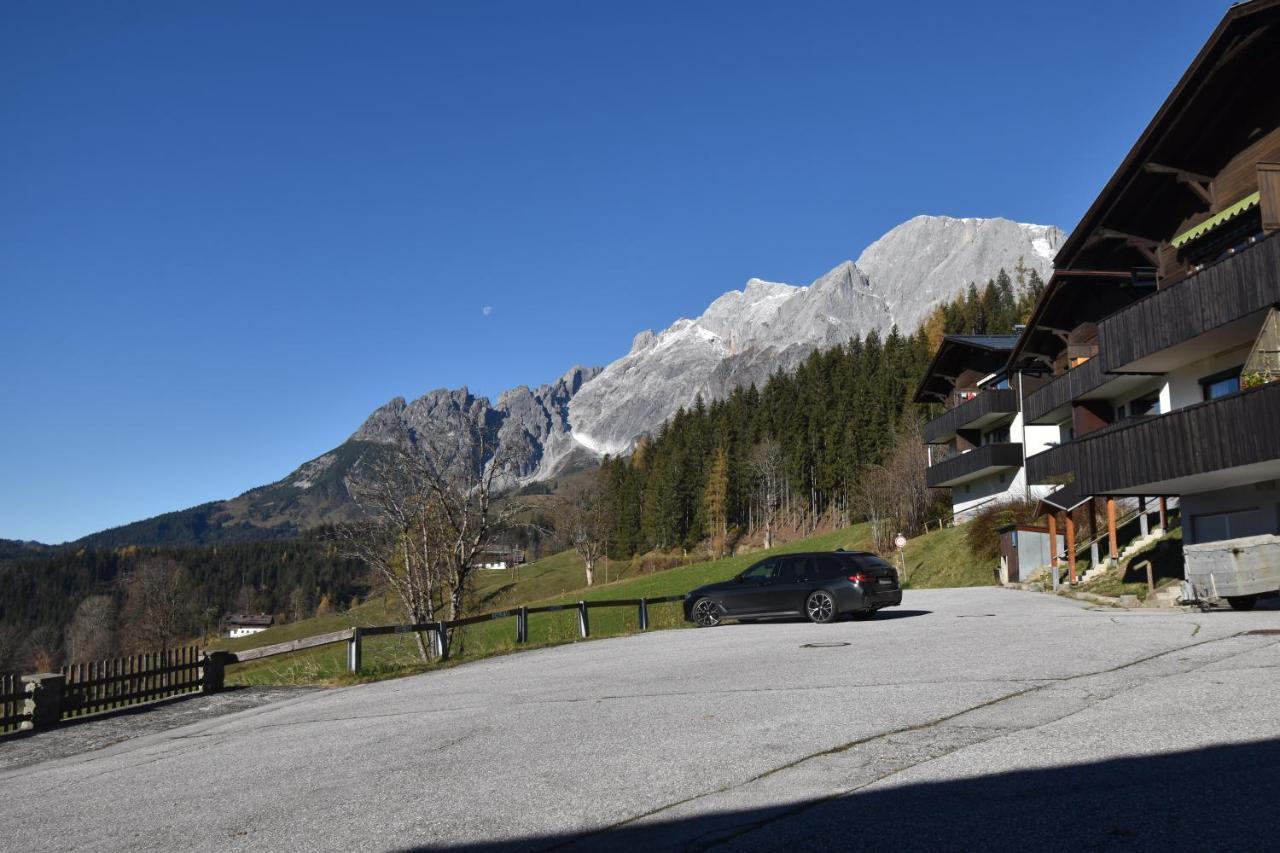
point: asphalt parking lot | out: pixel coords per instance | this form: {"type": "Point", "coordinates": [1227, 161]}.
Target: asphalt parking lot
{"type": "Point", "coordinates": [965, 720]}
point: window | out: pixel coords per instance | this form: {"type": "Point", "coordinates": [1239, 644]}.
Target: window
{"type": "Point", "coordinates": [830, 567]}
{"type": "Point", "coordinates": [997, 436]}
{"type": "Point", "coordinates": [1225, 525]}
{"type": "Point", "coordinates": [1221, 384]}
{"type": "Point", "coordinates": [870, 563]}
{"type": "Point", "coordinates": [761, 571]}
{"type": "Point", "coordinates": [796, 568]}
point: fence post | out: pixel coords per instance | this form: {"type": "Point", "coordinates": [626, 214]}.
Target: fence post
{"type": "Point", "coordinates": [44, 699]}
{"type": "Point", "coordinates": [213, 671]}
{"type": "Point", "coordinates": [441, 637]}
{"type": "Point", "coordinates": [584, 625]}
{"type": "Point", "coordinates": [353, 651]}
{"type": "Point", "coordinates": [644, 615]}
{"type": "Point", "coordinates": [522, 625]}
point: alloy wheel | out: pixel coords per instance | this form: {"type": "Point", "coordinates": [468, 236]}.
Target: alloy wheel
{"type": "Point", "coordinates": [821, 607]}
{"type": "Point", "coordinates": [706, 613]}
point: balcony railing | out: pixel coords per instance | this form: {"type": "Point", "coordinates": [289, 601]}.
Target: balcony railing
{"type": "Point", "coordinates": [1240, 429]}
{"type": "Point", "coordinates": [1069, 386]}
{"type": "Point", "coordinates": [978, 462]}
{"type": "Point", "coordinates": [1229, 290]}
{"type": "Point", "coordinates": [970, 413]}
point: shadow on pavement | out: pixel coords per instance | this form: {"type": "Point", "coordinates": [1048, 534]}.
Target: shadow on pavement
{"type": "Point", "coordinates": [1219, 798]}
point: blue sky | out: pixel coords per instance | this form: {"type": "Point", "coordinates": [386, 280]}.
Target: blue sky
{"type": "Point", "coordinates": [228, 231]}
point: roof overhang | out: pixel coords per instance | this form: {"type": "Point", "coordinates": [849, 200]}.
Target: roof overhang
{"type": "Point", "coordinates": [958, 353]}
{"type": "Point", "coordinates": [1223, 102]}
{"type": "Point", "coordinates": [1070, 298]}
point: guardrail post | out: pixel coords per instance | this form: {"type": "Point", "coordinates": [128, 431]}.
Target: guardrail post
{"type": "Point", "coordinates": [441, 637]}
{"type": "Point", "coordinates": [213, 671]}
{"type": "Point", "coordinates": [522, 625]}
{"type": "Point", "coordinates": [584, 625]}
{"type": "Point", "coordinates": [353, 651]}
{"type": "Point", "coordinates": [43, 704]}
{"type": "Point", "coordinates": [644, 615]}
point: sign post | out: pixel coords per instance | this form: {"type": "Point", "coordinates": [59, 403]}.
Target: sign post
{"type": "Point", "coordinates": [901, 542]}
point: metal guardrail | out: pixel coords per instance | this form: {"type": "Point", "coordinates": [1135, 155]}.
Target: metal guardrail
{"type": "Point", "coordinates": [439, 631]}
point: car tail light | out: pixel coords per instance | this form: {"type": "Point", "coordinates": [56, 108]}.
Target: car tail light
{"type": "Point", "coordinates": [860, 577]}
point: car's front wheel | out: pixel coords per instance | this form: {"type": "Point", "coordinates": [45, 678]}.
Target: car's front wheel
{"type": "Point", "coordinates": [820, 607]}
{"type": "Point", "coordinates": [706, 613]}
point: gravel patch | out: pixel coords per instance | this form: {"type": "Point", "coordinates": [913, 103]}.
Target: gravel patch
{"type": "Point", "coordinates": [77, 737]}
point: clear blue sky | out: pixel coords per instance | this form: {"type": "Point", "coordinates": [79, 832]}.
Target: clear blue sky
{"type": "Point", "coordinates": [228, 231]}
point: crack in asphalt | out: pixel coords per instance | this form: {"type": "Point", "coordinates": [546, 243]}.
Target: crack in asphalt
{"type": "Point", "coordinates": [699, 845]}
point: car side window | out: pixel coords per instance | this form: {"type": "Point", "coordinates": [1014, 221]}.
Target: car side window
{"type": "Point", "coordinates": [830, 567]}
{"type": "Point", "coordinates": [761, 571]}
{"type": "Point", "coordinates": [796, 568]}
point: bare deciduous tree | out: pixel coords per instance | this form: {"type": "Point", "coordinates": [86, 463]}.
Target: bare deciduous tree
{"type": "Point", "coordinates": [92, 632]}
{"type": "Point", "coordinates": [157, 607]}
{"type": "Point", "coordinates": [393, 538]}
{"type": "Point", "coordinates": [767, 471]}
{"type": "Point", "coordinates": [430, 513]}
{"type": "Point", "coordinates": [895, 495]}
{"type": "Point", "coordinates": [584, 522]}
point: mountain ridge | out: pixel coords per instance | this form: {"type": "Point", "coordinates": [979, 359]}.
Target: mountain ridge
{"type": "Point", "coordinates": [742, 337]}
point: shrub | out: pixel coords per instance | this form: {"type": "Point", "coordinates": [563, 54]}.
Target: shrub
{"type": "Point", "coordinates": [981, 532]}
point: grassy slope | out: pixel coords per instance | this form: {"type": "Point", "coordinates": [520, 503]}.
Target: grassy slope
{"type": "Point", "coordinates": [937, 559]}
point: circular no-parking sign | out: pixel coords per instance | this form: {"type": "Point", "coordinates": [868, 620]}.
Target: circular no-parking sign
{"type": "Point", "coordinates": [900, 541]}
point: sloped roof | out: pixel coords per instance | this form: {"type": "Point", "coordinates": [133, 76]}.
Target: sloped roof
{"type": "Point", "coordinates": [957, 353]}
{"type": "Point", "coordinates": [1063, 500]}
{"type": "Point", "coordinates": [1223, 99]}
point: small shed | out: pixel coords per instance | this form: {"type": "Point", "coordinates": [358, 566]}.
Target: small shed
{"type": "Point", "coordinates": [1024, 550]}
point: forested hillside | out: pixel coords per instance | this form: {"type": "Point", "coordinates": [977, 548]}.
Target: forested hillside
{"type": "Point", "coordinates": [40, 596]}
{"type": "Point", "coordinates": [809, 444]}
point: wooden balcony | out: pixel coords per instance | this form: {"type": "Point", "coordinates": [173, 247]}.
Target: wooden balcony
{"type": "Point", "coordinates": [979, 462]}
{"type": "Point", "coordinates": [1052, 402]}
{"type": "Point", "coordinates": [1143, 337]}
{"type": "Point", "coordinates": [986, 408]}
{"type": "Point", "coordinates": [1167, 454]}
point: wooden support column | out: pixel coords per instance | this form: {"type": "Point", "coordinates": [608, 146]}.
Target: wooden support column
{"type": "Point", "coordinates": [1164, 515]}
{"type": "Point", "coordinates": [1053, 540]}
{"type": "Point", "coordinates": [1112, 541]}
{"type": "Point", "coordinates": [1071, 548]}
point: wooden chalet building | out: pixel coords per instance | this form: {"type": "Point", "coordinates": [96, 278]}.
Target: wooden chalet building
{"type": "Point", "coordinates": [976, 446]}
{"type": "Point", "coordinates": [1159, 329]}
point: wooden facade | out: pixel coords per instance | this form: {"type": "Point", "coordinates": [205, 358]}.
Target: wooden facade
{"type": "Point", "coordinates": [1063, 389]}
{"type": "Point", "coordinates": [1242, 284]}
{"type": "Point", "coordinates": [1136, 456]}
{"type": "Point", "coordinates": [975, 410]}
{"type": "Point", "coordinates": [965, 466]}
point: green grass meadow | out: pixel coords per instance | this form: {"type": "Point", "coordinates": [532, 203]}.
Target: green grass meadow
{"type": "Point", "coordinates": [936, 559]}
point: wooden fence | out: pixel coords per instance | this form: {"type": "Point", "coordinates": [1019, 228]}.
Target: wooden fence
{"type": "Point", "coordinates": [440, 631]}
{"type": "Point", "coordinates": [13, 697]}
{"type": "Point", "coordinates": [105, 685]}
{"type": "Point", "coordinates": [79, 690]}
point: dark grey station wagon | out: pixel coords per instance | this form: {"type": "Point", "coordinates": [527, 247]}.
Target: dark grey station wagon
{"type": "Point", "coordinates": [821, 586]}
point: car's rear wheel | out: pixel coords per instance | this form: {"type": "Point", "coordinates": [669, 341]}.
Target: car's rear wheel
{"type": "Point", "coordinates": [820, 607]}
{"type": "Point", "coordinates": [706, 613]}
